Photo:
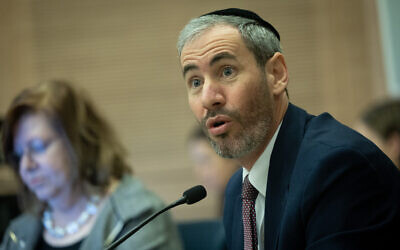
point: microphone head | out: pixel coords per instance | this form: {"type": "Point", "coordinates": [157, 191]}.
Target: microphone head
{"type": "Point", "coordinates": [194, 194]}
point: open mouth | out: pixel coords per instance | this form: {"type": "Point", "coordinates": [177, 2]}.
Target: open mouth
{"type": "Point", "coordinates": [217, 124]}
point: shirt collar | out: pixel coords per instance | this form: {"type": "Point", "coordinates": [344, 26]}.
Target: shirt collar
{"type": "Point", "coordinates": [258, 174]}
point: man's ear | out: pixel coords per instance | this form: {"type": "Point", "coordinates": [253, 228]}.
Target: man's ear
{"type": "Point", "coordinates": [277, 73]}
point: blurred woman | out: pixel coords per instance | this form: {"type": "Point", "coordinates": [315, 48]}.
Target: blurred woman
{"type": "Point", "coordinates": [79, 191]}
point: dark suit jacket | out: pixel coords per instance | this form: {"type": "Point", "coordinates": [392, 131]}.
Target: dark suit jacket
{"type": "Point", "coordinates": [328, 188]}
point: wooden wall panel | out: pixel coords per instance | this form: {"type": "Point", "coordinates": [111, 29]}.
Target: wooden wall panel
{"type": "Point", "coordinates": [348, 66]}
{"type": "Point", "coordinates": [123, 52]}
{"type": "Point", "coordinates": [16, 49]}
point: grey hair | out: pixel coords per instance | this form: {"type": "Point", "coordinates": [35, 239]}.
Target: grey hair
{"type": "Point", "coordinates": [258, 39]}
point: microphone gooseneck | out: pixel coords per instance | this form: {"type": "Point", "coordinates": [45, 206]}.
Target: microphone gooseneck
{"type": "Point", "coordinates": [190, 196]}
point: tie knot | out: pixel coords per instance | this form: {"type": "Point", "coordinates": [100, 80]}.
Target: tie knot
{"type": "Point", "coordinates": [248, 191]}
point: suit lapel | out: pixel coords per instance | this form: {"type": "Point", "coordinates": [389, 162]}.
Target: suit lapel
{"type": "Point", "coordinates": [282, 161]}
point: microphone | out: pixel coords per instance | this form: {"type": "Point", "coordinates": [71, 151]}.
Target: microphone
{"type": "Point", "coordinates": [190, 196]}
{"type": "Point", "coordinates": [194, 194]}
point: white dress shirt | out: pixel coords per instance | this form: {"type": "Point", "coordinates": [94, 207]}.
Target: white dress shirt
{"type": "Point", "coordinates": [258, 177]}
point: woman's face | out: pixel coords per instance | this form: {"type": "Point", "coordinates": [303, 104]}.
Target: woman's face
{"type": "Point", "coordinates": [45, 161]}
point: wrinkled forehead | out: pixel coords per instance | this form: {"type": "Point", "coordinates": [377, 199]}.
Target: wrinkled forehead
{"type": "Point", "coordinates": [214, 37]}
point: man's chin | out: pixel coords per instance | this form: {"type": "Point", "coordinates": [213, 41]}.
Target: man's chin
{"type": "Point", "coordinates": [222, 150]}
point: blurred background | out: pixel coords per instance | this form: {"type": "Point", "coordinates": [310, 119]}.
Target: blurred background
{"type": "Point", "coordinates": [341, 56]}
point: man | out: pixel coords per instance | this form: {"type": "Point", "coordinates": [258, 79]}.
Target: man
{"type": "Point", "coordinates": [317, 183]}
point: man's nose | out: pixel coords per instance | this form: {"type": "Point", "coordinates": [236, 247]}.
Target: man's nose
{"type": "Point", "coordinates": [213, 96]}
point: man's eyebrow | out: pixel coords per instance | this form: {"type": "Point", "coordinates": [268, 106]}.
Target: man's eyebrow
{"type": "Point", "coordinates": [220, 56]}
{"type": "Point", "coordinates": [215, 59]}
{"type": "Point", "coordinates": [187, 68]}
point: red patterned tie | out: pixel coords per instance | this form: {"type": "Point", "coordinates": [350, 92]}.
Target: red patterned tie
{"type": "Point", "coordinates": [249, 195]}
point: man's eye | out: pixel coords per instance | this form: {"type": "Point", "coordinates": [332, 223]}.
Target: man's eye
{"type": "Point", "coordinates": [195, 83]}
{"type": "Point", "coordinates": [227, 71]}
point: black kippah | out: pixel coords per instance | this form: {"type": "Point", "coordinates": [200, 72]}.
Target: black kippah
{"type": "Point", "coordinates": [246, 14]}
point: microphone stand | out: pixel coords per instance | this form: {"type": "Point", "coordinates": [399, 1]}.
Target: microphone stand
{"type": "Point", "coordinates": [138, 227]}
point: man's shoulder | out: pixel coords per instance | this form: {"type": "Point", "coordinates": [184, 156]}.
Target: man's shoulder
{"type": "Point", "coordinates": [322, 139]}
{"type": "Point", "coordinates": [325, 130]}
{"type": "Point", "coordinates": [320, 135]}
{"type": "Point", "coordinates": [329, 146]}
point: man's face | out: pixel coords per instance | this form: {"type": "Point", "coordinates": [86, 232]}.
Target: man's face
{"type": "Point", "coordinates": [228, 92]}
